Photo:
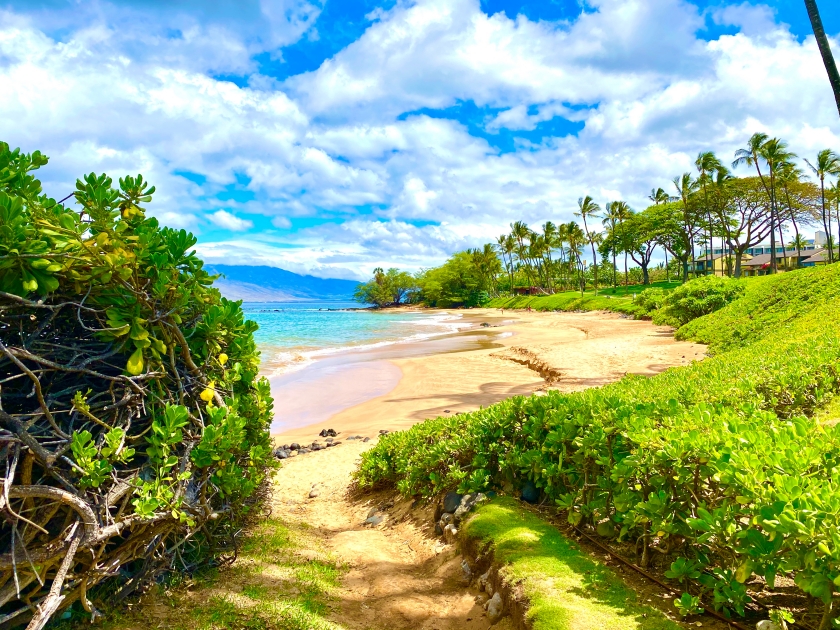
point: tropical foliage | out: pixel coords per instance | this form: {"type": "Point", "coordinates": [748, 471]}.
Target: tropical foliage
{"type": "Point", "coordinates": [386, 288]}
{"type": "Point", "coordinates": [133, 422]}
{"type": "Point", "coordinates": [717, 471]}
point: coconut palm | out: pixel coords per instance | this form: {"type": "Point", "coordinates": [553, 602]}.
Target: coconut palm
{"type": "Point", "coordinates": [825, 49]}
{"type": "Point", "coordinates": [775, 153]}
{"type": "Point", "coordinates": [789, 174]}
{"type": "Point", "coordinates": [658, 196]}
{"type": "Point", "coordinates": [621, 211]}
{"type": "Point", "coordinates": [707, 164]}
{"type": "Point", "coordinates": [610, 221]}
{"type": "Point", "coordinates": [506, 245]}
{"type": "Point", "coordinates": [827, 163]}
{"type": "Point", "coordinates": [576, 239]}
{"type": "Point", "coordinates": [686, 186]}
{"type": "Point", "coordinates": [586, 208]}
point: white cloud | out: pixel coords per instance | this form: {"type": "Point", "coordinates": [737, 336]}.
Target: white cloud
{"type": "Point", "coordinates": [344, 145]}
{"type": "Point", "coordinates": [228, 221]}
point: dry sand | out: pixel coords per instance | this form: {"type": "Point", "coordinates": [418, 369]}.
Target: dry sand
{"type": "Point", "coordinates": [520, 353]}
{"type": "Point", "coordinates": [401, 576]}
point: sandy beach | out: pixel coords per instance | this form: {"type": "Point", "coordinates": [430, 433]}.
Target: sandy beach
{"type": "Point", "coordinates": [501, 355]}
{"type": "Point", "coordinates": [401, 576]}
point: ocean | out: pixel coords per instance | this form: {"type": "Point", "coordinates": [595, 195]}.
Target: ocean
{"type": "Point", "coordinates": [294, 334]}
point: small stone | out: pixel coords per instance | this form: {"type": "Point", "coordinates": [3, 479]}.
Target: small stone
{"type": "Point", "coordinates": [281, 454]}
{"type": "Point", "coordinates": [451, 501]}
{"type": "Point", "coordinates": [383, 431]}
{"type": "Point", "coordinates": [446, 518]}
{"type": "Point", "coordinates": [367, 439]}
{"type": "Point", "coordinates": [314, 492]}
{"type": "Point", "coordinates": [303, 451]}
{"type": "Point", "coordinates": [375, 520]}
{"type": "Point", "coordinates": [766, 624]}
{"type": "Point", "coordinates": [446, 411]}
{"type": "Point", "coordinates": [484, 581]}
{"type": "Point", "coordinates": [285, 447]}
{"type": "Point", "coordinates": [328, 433]}
{"type": "Point", "coordinates": [329, 440]}
{"type": "Point", "coordinates": [352, 437]}
{"type": "Point", "coordinates": [373, 511]}
{"type": "Point", "coordinates": [438, 530]}
{"type": "Point", "coordinates": [495, 608]}
{"type": "Point", "coordinates": [295, 446]}
{"type": "Point", "coordinates": [530, 493]}
{"type": "Point", "coordinates": [450, 533]}
{"type": "Point", "coordinates": [466, 572]}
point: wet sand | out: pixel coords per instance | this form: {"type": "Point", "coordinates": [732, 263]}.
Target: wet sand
{"type": "Point", "coordinates": [516, 353]}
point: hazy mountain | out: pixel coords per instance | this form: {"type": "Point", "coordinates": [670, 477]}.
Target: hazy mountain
{"type": "Point", "coordinates": [270, 284]}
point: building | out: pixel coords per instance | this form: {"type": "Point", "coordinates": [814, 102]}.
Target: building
{"type": "Point", "coordinates": [714, 264]}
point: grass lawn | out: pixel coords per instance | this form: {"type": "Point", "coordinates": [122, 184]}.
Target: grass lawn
{"type": "Point", "coordinates": [567, 589]}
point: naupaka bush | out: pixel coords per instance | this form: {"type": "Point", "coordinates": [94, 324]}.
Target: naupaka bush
{"type": "Point", "coordinates": [133, 422]}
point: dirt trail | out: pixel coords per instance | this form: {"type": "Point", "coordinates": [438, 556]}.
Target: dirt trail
{"type": "Point", "coordinates": [401, 575]}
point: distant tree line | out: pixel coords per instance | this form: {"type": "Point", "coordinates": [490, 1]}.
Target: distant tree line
{"type": "Point", "coordinates": [707, 209]}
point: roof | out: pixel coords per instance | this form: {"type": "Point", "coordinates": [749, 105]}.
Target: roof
{"type": "Point", "coordinates": [820, 256]}
{"type": "Point", "coordinates": [764, 259]}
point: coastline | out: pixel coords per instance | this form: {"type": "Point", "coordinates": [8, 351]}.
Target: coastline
{"type": "Point", "coordinates": [513, 353]}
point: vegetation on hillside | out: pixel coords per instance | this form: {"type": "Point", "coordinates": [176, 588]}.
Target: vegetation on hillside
{"type": "Point", "coordinates": [717, 470]}
{"type": "Point", "coordinates": [133, 422]}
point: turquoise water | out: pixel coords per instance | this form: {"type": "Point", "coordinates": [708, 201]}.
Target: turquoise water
{"type": "Point", "coordinates": [293, 334]}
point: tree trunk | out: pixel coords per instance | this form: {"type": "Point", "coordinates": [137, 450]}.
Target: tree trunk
{"type": "Point", "coordinates": [738, 256]}
{"type": "Point", "coordinates": [645, 275]}
{"type": "Point", "coordinates": [825, 50]}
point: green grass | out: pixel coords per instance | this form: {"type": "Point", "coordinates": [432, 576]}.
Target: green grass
{"type": "Point", "coordinates": [566, 588]}
{"type": "Point", "coordinates": [618, 299]}
{"type": "Point", "coordinates": [270, 587]}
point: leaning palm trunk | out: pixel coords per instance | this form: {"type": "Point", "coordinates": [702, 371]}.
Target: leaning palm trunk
{"type": "Point", "coordinates": [825, 49]}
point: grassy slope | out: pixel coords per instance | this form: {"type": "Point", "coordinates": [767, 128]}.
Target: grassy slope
{"type": "Point", "coordinates": [270, 587]}
{"type": "Point", "coordinates": [619, 300]}
{"type": "Point", "coordinates": [565, 587]}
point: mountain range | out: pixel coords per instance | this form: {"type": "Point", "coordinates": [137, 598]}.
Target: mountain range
{"type": "Point", "coordinates": [271, 284]}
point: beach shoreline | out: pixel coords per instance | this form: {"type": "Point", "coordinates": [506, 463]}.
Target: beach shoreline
{"type": "Point", "coordinates": [498, 356]}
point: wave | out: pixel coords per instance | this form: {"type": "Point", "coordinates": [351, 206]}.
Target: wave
{"type": "Point", "coordinates": [287, 361]}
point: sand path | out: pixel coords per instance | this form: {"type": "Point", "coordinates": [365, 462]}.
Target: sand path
{"type": "Point", "coordinates": [401, 576]}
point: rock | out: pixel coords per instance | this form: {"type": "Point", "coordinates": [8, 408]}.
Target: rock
{"type": "Point", "coordinates": [438, 530]}
{"type": "Point", "coordinates": [495, 608]}
{"type": "Point", "coordinates": [328, 433]}
{"type": "Point", "coordinates": [485, 325]}
{"type": "Point", "coordinates": [530, 494]}
{"type": "Point", "coordinates": [303, 451]}
{"type": "Point", "coordinates": [333, 443]}
{"type": "Point", "coordinates": [329, 440]}
{"type": "Point", "coordinates": [451, 501]}
{"type": "Point", "coordinates": [367, 439]}
{"type": "Point", "coordinates": [375, 520]}
{"type": "Point", "coordinates": [314, 492]}
{"type": "Point", "coordinates": [466, 572]}
{"type": "Point", "coordinates": [292, 453]}
{"type": "Point", "coordinates": [450, 533]}
{"type": "Point", "coordinates": [438, 513]}
{"type": "Point", "coordinates": [373, 511]}
{"type": "Point", "coordinates": [383, 431]}
{"type": "Point", "coordinates": [766, 624]}
{"type": "Point", "coordinates": [446, 518]}
{"type": "Point", "coordinates": [352, 437]}
{"type": "Point", "coordinates": [484, 581]}
{"type": "Point", "coordinates": [281, 454]}
{"type": "Point", "coordinates": [295, 446]}
{"type": "Point", "coordinates": [285, 447]}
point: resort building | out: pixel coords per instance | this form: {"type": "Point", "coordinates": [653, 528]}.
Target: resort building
{"type": "Point", "coordinates": [756, 260]}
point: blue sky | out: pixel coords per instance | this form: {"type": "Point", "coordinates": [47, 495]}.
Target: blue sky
{"type": "Point", "coordinates": [331, 137]}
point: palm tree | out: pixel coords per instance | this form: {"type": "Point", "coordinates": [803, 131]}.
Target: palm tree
{"type": "Point", "coordinates": [609, 221]}
{"type": "Point", "coordinates": [506, 246]}
{"type": "Point", "coordinates": [774, 152]}
{"type": "Point", "coordinates": [576, 239]}
{"type": "Point", "coordinates": [687, 186]}
{"type": "Point", "coordinates": [622, 211]}
{"type": "Point", "coordinates": [588, 207]}
{"type": "Point", "coordinates": [825, 49]}
{"type": "Point", "coordinates": [706, 164]}
{"type": "Point", "coordinates": [658, 196]}
{"type": "Point", "coordinates": [828, 163]}
{"type": "Point", "coordinates": [750, 156]}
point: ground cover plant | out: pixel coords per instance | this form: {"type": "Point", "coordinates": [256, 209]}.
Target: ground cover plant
{"type": "Point", "coordinates": [564, 586]}
{"type": "Point", "coordinates": [133, 423]}
{"type": "Point", "coordinates": [719, 469]}
{"type": "Point", "coordinates": [272, 586]}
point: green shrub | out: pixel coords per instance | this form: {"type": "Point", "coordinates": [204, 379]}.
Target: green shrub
{"type": "Point", "coordinates": [696, 298]}
{"type": "Point", "coordinates": [650, 300]}
{"type": "Point", "coordinates": [135, 424]}
{"type": "Point", "coordinates": [716, 463]}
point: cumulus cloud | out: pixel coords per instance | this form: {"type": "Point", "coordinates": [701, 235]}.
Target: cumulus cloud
{"type": "Point", "coordinates": [228, 221]}
{"type": "Point", "coordinates": [373, 151]}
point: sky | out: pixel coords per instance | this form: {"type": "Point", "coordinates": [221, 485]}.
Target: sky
{"type": "Point", "coordinates": [333, 136]}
